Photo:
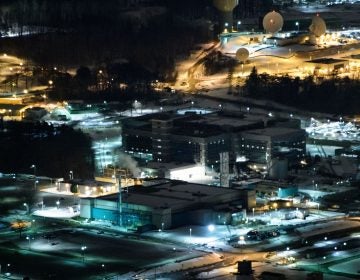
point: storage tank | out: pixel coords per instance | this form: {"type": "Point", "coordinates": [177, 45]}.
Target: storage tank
{"type": "Point", "coordinates": [226, 8]}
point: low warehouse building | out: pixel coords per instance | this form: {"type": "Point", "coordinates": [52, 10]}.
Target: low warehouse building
{"type": "Point", "coordinates": [165, 204]}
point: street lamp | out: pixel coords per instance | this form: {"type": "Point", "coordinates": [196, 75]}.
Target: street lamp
{"type": "Point", "coordinates": [238, 25]}
{"type": "Point", "coordinates": [297, 25]}
{"type": "Point", "coordinates": [58, 204]}
{"type": "Point", "coordinates": [190, 235]}
{"type": "Point", "coordinates": [253, 210]}
{"type": "Point", "coordinates": [71, 175]}
{"type": "Point", "coordinates": [83, 248]}
{"type": "Point", "coordinates": [211, 228]}
{"type": "Point", "coordinates": [162, 226]}
{"type": "Point", "coordinates": [35, 182]}
{"type": "Point", "coordinates": [28, 238]}
{"type": "Point", "coordinates": [7, 267]}
{"type": "Point", "coordinates": [27, 208]}
{"type": "Point", "coordinates": [33, 166]}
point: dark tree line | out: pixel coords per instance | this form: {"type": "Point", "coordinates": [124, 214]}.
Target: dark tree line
{"type": "Point", "coordinates": [54, 150]}
{"type": "Point", "coordinates": [68, 13]}
{"type": "Point", "coordinates": [120, 82]}
{"type": "Point", "coordinates": [94, 32]}
{"type": "Point", "coordinates": [335, 95]}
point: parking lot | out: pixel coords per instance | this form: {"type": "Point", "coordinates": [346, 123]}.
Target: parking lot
{"type": "Point", "coordinates": [85, 254]}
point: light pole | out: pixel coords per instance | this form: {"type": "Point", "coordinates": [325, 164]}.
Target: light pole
{"type": "Point", "coordinates": [297, 25]}
{"type": "Point", "coordinates": [253, 210]}
{"type": "Point", "coordinates": [27, 208]}
{"type": "Point", "coordinates": [211, 228]}
{"type": "Point", "coordinates": [319, 263]}
{"type": "Point", "coordinates": [71, 175]}
{"type": "Point", "coordinates": [83, 248]}
{"type": "Point", "coordinates": [58, 204]}
{"type": "Point", "coordinates": [28, 238]}
{"type": "Point", "coordinates": [238, 25]}
{"type": "Point", "coordinates": [162, 226]}
{"type": "Point", "coordinates": [190, 229]}
{"type": "Point", "coordinates": [34, 167]}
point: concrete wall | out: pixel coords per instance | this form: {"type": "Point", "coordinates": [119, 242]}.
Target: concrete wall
{"type": "Point", "coordinates": [161, 218]}
{"type": "Point", "coordinates": [85, 208]}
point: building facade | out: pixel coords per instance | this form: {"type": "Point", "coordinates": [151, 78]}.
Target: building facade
{"type": "Point", "coordinates": [166, 204]}
{"type": "Point", "coordinates": [199, 139]}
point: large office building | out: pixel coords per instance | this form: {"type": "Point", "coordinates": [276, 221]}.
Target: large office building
{"type": "Point", "coordinates": [200, 138]}
{"type": "Point", "coordinates": [263, 145]}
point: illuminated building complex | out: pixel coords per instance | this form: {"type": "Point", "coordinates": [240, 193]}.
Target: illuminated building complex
{"type": "Point", "coordinates": [192, 138]}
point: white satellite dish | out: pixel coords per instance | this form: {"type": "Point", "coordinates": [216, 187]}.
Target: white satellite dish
{"type": "Point", "coordinates": [273, 22]}
{"type": "Point", "coordinates": [318, 26]}
{"type": "Point", "coordinates": [242, 54]}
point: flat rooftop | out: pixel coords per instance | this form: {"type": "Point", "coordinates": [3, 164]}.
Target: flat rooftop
{"type": "Point", "coordinates": [89, 183]}
{"type": "Point", "coordinates": [172, 194]}
{"type": "Point", "coordinates": [221, 121]}
{"type": "Point", "coordinates": [273, 131]}
{"type": "Point", "coordinates": [169, 165]}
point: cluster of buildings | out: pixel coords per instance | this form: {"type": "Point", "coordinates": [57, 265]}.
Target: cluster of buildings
{"type": "Point", "coordinates": [201, 138]}
{"type": "Point", "coordinates": [182, 146]}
